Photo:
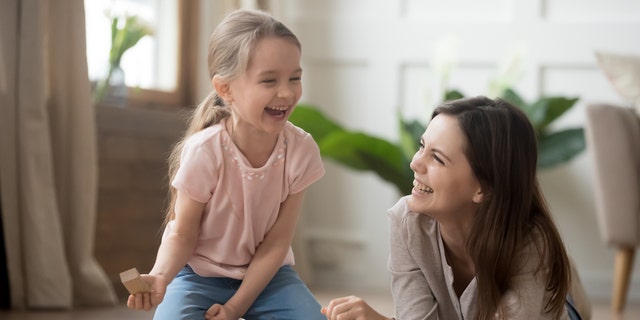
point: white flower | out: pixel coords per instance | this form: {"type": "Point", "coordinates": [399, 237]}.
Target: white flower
{"type": "Point", "coordinates": [509, 71]}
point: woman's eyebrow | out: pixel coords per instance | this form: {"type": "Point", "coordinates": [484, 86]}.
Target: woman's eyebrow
{"type": "Point", "coordinates": [438, 151]}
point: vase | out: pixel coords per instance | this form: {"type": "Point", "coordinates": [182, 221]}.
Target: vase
{"type": "Point", "coordinates": [117, 92]}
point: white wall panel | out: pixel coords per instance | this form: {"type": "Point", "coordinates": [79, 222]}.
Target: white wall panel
{"type": "Point", "coordinates": [340, 97]}
{"type": "Point", "coordinates": [330, 9]}
{"type": "Point", "coordinates": [458, 10]}
{"type": "Point", "coordinates": [592, 10]}
{"type": "Point", "coordinates": [593, 84]}
{"type": "Point", "coordinates": [363, 60]}
{"type": "Point", "coordinates": [422, 90]}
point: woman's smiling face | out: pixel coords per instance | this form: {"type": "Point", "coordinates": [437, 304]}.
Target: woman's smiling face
{"type": "Point", "coordinates": [444, 184]}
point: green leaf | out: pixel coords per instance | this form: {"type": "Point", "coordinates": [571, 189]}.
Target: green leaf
{"type": "Point", "coordinates": [410, 133]}
{"type": "Point", "coordinates": [537, 113]}
{"type": "Point", "coordinates": [556, 106]}
{"type": "Point", "coordinates": [123, 39]}
{"type": "Point", "coordinates": [511, 96]}
{"type": "Point", "coordinates": [560, 146]}
{"type": "Point", "coordinates": [349, 148]}
{"type": "Point", "coordinates": [452, 94]}
{"type": "Point", "coordinates": [114, 29]}
{"type": "Point", "coordinates": [313, 121]}
{"type": "Point", "coordinates": [402, 180]}
{"type": "Point", "coordinates": [547, 109]}
{"type": "Point", "coordinates": [364, 152]}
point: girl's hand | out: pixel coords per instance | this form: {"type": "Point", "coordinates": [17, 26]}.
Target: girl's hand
{"type": "Point", "coordinates": [350, 308]}
{"type": "Point", "coordinates": [147, 300]}
{"type": "Point", "coordinates": [221, 312]}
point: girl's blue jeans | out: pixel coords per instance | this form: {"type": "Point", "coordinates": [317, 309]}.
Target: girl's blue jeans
{"type": "Point", "coordinates": [189, 296]}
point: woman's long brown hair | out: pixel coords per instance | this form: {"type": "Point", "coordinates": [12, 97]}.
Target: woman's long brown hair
{"type": "Point", "coordinates": [502, 151]}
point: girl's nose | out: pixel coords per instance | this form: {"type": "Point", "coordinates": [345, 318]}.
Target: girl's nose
{"type": "Point", "coordinates": [285, 91]}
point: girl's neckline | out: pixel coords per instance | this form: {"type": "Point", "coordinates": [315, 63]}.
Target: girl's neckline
{"type": "Point", "coordinates": [276, 156]}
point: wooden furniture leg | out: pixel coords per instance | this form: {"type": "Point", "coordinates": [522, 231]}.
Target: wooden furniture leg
{"type": "Point", "coordinates": [621, 277]}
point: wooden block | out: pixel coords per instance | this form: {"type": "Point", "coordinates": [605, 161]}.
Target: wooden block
{"type": "Point", "coordinates": [133, 281]}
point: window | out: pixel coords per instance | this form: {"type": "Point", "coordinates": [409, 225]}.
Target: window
{"type": "Point", "coordinates": [153, 67]}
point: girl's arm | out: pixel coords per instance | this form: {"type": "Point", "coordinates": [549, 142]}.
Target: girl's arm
{"type": "Point", "coordinates": [266, 261]}
{"type": "Point", "coordinates": [180, 242]}
{"type": "Point", "coordinates": [174, 251]}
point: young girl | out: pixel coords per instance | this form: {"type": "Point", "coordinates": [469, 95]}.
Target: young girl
{"type": "Point", "coordinates": [475, 239]}
{"type": "Point", "coordinates": [237, 180]}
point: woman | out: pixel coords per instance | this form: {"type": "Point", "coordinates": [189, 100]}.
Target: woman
{"type": "Point", "coordinates": [475, 239]}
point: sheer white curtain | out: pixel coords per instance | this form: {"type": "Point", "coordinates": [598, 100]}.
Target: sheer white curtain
{"type": "Point", "coordinates": [48, 160]}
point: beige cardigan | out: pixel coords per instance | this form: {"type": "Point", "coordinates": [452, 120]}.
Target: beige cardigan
{"type": "Point", "coordinates": [422, 281]}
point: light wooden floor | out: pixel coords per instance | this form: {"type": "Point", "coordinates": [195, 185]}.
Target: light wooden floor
{"type": "Point", "coordinates": [382, 302]}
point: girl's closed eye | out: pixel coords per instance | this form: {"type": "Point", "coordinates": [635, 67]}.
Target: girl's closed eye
{"type": "Point", "coordinates": [298, 78]}
{"type": "Point", "coordinates": [268, 81]}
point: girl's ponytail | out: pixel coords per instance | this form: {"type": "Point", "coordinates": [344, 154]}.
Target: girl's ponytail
{"type": "Point", "coordinates": [209, 112]}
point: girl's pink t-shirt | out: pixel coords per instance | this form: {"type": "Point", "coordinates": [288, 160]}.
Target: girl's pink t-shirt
{"type": "Point", "coordinates": [242, 202]}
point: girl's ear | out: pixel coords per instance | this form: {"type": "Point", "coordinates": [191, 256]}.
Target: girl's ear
{"type": "Point", "coordinates": [222, 88]}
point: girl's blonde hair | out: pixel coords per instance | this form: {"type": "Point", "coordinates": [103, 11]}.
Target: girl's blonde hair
{"type": "Point", "coordinates": [230, 49]}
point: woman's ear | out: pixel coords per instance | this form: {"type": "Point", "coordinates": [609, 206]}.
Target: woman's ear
{"type": "Point", "coordinates": [478, 196]}
{"type": "Point", "coordinates": [222, 88]}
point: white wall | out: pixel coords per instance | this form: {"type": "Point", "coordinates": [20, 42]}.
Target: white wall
{"type": "Point", "coordinates": [364, 59]}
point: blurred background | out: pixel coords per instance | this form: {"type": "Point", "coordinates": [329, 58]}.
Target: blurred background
{"type": "Point", "coordinates": [365, 63]}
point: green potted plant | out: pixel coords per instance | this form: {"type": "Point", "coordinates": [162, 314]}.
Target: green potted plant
{"type": "Point", "coordinates": [390, 159]}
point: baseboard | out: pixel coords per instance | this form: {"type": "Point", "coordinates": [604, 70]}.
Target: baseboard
{"type": "Point", "coordinates": [599, 287]}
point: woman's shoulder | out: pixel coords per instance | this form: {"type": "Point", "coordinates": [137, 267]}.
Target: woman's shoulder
{"type": "Point", "coordinates": [400, 213]}
{"type": "Point", "coordinates": [399, 209]}
{"type": "Point", "coordinates": [531, 253]}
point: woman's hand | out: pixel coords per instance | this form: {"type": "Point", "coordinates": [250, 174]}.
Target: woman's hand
{"type": "Point", "coordinates": [147, 300]}
{"type": "Point", "coordinates": [350, 308]}
{"type": "Point", "coordinates": [221, 312]}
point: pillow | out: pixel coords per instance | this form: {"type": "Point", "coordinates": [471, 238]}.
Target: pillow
{"type": "Point", "coordinates": [623, 71]}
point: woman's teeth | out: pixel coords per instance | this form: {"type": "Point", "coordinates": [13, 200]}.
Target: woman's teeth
{"type": "Point", "coordinates": [421, 187]}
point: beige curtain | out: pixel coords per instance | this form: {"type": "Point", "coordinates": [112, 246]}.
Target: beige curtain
{"type": "Point", "coordinates": [48, 160]}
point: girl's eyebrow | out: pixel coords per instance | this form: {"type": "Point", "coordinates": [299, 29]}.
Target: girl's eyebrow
{"type": "Point", "coordinates": [270, 72]}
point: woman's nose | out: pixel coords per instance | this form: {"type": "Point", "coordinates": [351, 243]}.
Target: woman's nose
{"type": "Point", "coordinates": [417, 164]}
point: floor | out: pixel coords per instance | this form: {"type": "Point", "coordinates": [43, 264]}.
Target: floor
{"type": "Point", "coordinates": [379, 301]}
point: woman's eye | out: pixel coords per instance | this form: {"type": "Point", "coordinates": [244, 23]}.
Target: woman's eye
{"type": "Point", "coordinates": [421, 145]}
{"type": "Point", "coordinates": [296, 79]}
{"type": "Point", "coordinates": [438, 159]}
